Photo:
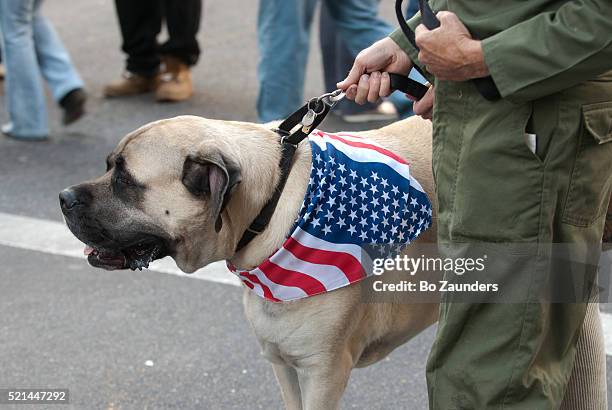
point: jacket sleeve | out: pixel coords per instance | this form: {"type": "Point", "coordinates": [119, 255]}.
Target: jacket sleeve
{"type": "Point", "coordinates": [551, 51]}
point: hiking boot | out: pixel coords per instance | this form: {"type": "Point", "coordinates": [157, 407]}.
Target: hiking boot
{"type": "Point", "coordinates": [174, 82]}
{"type": "Point", "coordinates": [73, 104]}
{"type": "Point", "coordinates": [131, 84]}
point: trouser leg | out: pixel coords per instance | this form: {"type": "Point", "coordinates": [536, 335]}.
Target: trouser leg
{"type": "Point", "coordinates": [54, 60]}
{"type": "Point", "coordinates": [25, 96]}
{"type": "Point", "coordinates": [359, 26]}
{"type": "Point", "coordinates": [183, 22]}
{"type": "Point", "coordinates": [140, 23]}
{"type": "Point", "coordinates": [587, 388]}
{"type": "Point", "coordinates": [358, 23]}
{"type": "Point", "coordinates": [491, 189]}
{"type": "Point", "coordinates": [337, 60]}
{"type": "Point", "coordinates": [283, 29]}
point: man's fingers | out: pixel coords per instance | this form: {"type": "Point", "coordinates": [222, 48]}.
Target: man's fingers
{"type": "Point", "coordinates": [353, 76]}
{"type": "Point", "coordinates": [351, 92]}
{"type": "Point", "coordinates": [420, 29]}
{"type": "Point", "coordinates": [362, 89]}
{"type": "Point", "coordinates": [446, 16]}
{"type": "Point", "coordinates": [385, 84]}
{"type": "Point", "coordinates": [423, 40]}
{"type": "Point", "coordinates": [374, 87]}
{"type": "Point", "coordinates": [425, 104]}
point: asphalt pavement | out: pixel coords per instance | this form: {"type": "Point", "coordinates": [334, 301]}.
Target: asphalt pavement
{"type": "Point", "coordinates": [134, 340]}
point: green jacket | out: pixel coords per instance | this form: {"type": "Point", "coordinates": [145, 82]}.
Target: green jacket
{"type": "Point", "coordinates": [551, 62]}
{"type": "Point", "coordinates": [534, 48]}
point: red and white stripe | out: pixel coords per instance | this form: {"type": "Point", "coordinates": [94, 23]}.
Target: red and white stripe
{"type": "Point", "coordinates": [305, 266]}
{"type": "Point", "coordinates": [364, 150]}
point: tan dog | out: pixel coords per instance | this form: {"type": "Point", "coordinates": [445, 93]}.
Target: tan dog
{"type": "Point", "coordinates": [188, 187]}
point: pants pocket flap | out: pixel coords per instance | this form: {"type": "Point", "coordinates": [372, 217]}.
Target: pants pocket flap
{"type": "Point", "coordinates": [598, 120]}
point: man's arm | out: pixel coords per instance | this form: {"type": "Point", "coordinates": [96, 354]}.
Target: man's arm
{"type": "Point", "coordinates": [551, 51]}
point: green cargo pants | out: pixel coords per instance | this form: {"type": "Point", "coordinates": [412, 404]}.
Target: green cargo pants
{"type": "Point", "coordinates": [491, 188]}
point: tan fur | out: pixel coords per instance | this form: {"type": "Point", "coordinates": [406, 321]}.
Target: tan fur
{"type": "Point", "coordinates": [314, 343]}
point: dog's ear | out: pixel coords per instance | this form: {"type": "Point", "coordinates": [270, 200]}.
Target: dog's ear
{"type": "Point", "coordinates": [213, 177]}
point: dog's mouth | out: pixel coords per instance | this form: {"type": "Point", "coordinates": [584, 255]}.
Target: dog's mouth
{"type": "Point", "coordinates": [136, 256]}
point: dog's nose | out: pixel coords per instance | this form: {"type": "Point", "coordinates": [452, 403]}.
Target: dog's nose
{"type": "Point", "coordinates": [68, 199]}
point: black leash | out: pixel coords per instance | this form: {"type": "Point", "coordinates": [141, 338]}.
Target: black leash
{"type": "Point", "coordinates": [307, 117]}
{"type": "Point", "coordinates": [485, 85]}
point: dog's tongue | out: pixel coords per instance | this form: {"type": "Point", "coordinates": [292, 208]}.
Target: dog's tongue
{"type": "Point", "coordinates": [88, 249]}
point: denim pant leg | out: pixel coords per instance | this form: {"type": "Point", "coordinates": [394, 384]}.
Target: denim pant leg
{"type": "Point", "coordinates": [53, 59]}
{"type": "Point", "coordinates": [360, 26]}
{"type": "Point", "coordinates": [358, 23]}
{"type": "Point", "coordinates": [337, 61]}
{"type": "Point", "coordinates": [25, 96]}
{"type": "Point", "coordinates": [283, 29]}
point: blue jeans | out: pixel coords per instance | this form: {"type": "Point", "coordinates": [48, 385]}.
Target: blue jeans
{"type": "Point", "coordinates": [32, 49]}
{"type": "Point", "coordinates": [283, 34]}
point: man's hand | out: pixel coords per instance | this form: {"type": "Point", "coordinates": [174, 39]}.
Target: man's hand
{"type": "Point", "coordinates": [365, 81]}
{"type": "Point", "coordinates": [424, 106]}
{"type": "Point", "coordinates": [449, 52]}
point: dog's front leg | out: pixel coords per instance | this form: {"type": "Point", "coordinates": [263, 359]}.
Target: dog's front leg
{"type": "Point", "coordinates": [290, 386]}
{"type": "Point", "coordinates": [322, 385]}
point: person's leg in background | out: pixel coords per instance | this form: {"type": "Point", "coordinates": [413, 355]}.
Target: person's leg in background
{"type": "Point", "coordinates": [62, 77]}
{"type": "Point", "coordinates": [359, 26]}
{"type": "Point", "coordinates": [402, 103]}
{"type": "Point", "coordinates": [283, 29]}
{"type": "Point", "coordinates": [337, 61]}
{"type": "Point", "coordinates": [25, 97]}
{"type": "Point", "coordinates": [181, 51]}
{"type": "Point", "coordinates": [1, 65]}
{"type": "Point", "coordinates": [140, 23]}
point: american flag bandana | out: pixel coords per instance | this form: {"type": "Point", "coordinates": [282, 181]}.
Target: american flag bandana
{"type": "Point", "coordinates": [361, 203]}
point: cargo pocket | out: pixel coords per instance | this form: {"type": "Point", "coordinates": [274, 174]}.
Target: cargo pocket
{"type": "Point", "coordinates": [591, 178]}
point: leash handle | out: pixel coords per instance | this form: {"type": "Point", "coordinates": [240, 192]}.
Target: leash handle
{"type": "Point", "coordinates": [485, 85]}
{"type": "Point", "coordinates": [428, 17]}
{"type": "Point", "coordinates": [408, 85]}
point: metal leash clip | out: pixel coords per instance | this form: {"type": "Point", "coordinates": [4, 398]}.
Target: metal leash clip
{"type": "Point", "coordinates": [315, 108]}
{"type": "Point", "coordinates": [331, 99]}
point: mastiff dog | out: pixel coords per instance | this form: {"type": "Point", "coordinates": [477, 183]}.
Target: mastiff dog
{"type": "Point", "coordinates": [189, 187]}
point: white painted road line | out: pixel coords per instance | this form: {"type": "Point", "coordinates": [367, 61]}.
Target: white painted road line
{"type": "Point", "coordinates": [54, 238]}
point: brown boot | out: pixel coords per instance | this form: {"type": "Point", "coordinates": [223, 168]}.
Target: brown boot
{"type": "Point", "coordinates": [131, 84]}
{"type": "Point", "coordinates": [175, 81]}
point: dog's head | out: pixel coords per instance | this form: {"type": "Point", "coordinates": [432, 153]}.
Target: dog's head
{"type": "Point", "coordinates": [163, 193]}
